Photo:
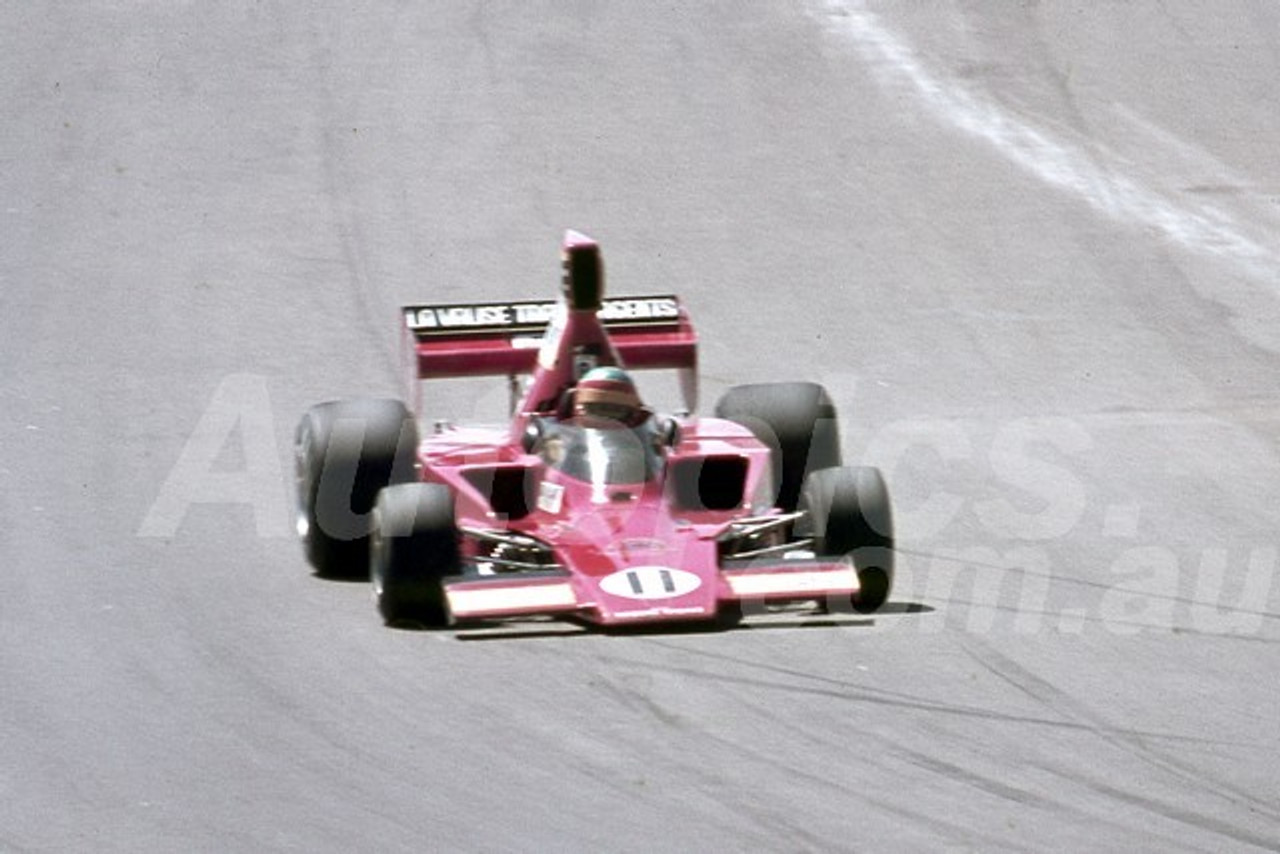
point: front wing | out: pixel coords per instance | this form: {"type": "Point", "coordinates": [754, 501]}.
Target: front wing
{"type": "Point", "coordinates": [560, 593]}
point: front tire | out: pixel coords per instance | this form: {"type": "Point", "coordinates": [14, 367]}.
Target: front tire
{"type": "Point", "coordinates": [849, 514]}
{"type": "Point", "coordinates": [414, 548]}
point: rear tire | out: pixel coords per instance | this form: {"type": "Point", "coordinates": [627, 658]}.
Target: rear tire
{"type": "Point", "coordinates": [849, 514]}
{"type": "Point", "coordinates": [414, 548]}
{"type": "Point", "coordinates": [797, 420]}
{"type": "Point", "coordinates": [344, 453]}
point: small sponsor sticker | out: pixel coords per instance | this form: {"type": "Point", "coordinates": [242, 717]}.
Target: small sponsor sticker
{"type": "Point", "coordinates": [550, 497]}
{"type": "Point", "coordinates": [637, 544]}
{"type": "Point", "coordinates": [660, 611]}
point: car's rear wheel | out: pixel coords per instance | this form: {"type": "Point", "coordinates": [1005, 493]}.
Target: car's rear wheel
{"type": "Point", "coordinates": [849, 514]}
{"type": "Point", "coordinates": [344, 453]}
{"type": "Point", "coordinates": [413, 549]}
{"type": "Point", "coordinates": [797, 420]}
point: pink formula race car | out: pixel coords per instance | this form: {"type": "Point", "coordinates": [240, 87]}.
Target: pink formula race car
{"type": "Point", "coordinates": [588, 505]}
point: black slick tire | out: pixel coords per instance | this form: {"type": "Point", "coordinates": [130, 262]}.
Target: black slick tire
{"type": "Point", "coordinates": [414, 548]}
{"type": "Point", "coordinates": [849, 514]}
{"type": "Point", "coordinates": [797, 420]}
{"type": "Point", "coordinates": [345, 452]}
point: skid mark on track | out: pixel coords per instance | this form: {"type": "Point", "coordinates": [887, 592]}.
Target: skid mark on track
{"type": "Point", "coordinates": [1022, 611]}
{"type": "Point", "coordinates": [968, 777]}
{"type": "Point", "coordinates": [843, 785]}
{"type": "Point", "coordinates": [1025, 798]}
{"type": "Point", "coordinates": [891, 747]}
{"type": "Point", "coordinates": [799, 688]}
{"type": "Point", "coordinates": [802, 683]}
{"type": "Point", "coordinates": [1200, 821]}
{"type": "Point", "coordinates": [631, 688]}
{"type": "Point", "coordinates": [1137, 745]}
{"type": "Point", "coordinates": [637, 698]}
{"type": "Point", "coordinates": [780, 819]}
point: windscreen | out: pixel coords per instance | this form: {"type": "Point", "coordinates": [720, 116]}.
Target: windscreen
{"type": "Point", "coordinates": [603, 455]}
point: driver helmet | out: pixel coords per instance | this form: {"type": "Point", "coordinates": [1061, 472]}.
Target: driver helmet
{"type": "Point", "coordinates": [610, 394]}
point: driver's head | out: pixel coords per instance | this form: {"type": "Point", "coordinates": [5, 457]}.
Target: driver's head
{"type": "Point", "coordinates": [607, 393]}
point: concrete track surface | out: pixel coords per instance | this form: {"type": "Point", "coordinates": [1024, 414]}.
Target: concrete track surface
{"type": "Point", "coordinates": [1031, 248]}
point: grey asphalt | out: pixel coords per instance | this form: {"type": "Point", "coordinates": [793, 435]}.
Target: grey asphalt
{"type": "Point", "coordinates": [1032, 250]}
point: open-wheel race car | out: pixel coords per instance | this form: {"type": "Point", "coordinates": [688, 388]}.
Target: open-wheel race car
{"type": "Point", "coordinates": [588, 504]}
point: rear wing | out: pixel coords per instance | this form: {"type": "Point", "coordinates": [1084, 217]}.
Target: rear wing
{"type": "Point", "coordinates": [504, 338]}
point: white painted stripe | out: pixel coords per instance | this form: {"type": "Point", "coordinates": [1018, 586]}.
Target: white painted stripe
{"type": "Point", "coordinates": [838, 580]}
{"type": "Point", "coordinates": [1085, 168]}
{"type": "Point", "coordinates": [479, 601]}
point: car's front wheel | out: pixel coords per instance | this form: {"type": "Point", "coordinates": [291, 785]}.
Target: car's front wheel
{"type": "Point", "coordinates": [848, 514]}
{"type": "Point", "coordinates": [414, 547]}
